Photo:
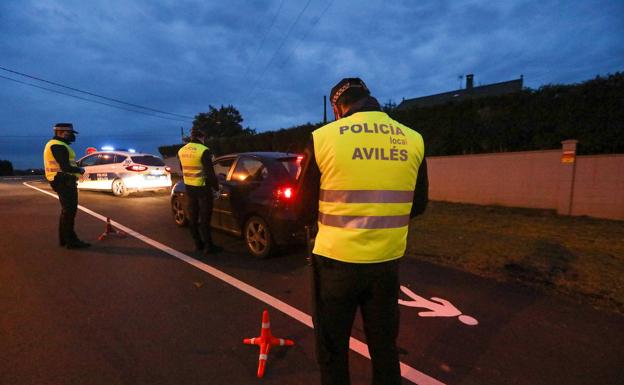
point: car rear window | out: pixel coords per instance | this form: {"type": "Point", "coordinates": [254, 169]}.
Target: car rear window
{"type": "Point", "coordinates": [292, 165]}
{"type": "Point", "coordinates": [148, 160]}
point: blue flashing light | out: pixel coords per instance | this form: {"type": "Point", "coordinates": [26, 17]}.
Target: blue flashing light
{"type": "Point", "coordinates": [108, 148]}
{"type": "Point", "coordinates": [132, 150]}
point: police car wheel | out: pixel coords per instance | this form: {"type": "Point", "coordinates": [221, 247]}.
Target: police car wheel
{"type": "Point", "coordinates": [179, 216]}
{"type": "Point", "coordinates": [119, 188]}
{"type": "Point", "coordinates": [258, 237]}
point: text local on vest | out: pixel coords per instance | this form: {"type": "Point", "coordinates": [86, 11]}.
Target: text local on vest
{"type": "Point", "coordinates": [375, 153]}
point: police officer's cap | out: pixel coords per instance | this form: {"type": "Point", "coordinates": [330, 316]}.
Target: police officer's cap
{"type": "Point", "coordinates": [65, 127]}
{"type": "Point", "coordinates": [345, 84]}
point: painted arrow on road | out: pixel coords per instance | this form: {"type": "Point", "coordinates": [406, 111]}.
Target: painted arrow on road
{"type": "Point", "coordinates": [437, 307]}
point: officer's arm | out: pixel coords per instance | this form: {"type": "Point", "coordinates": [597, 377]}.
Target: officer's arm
{"type": "Point", "coordinates": [308, 186]}
{"type": "Point", "coordinates": [211, 178]}
{"type": "Point", "coordinates": [421, 191]}
{"type": "Point", "coordinates": [61, 155]}
{"type": "Point", "coordinates": [180, 164]}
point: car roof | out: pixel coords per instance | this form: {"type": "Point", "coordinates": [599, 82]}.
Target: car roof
{"type": "Point", "coordinates": [262, 154]}
{"type": "Point", "coordinates": [126, 153]}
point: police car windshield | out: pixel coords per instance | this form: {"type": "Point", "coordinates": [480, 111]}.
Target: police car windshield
{"type": "Point", "coordinates": [148, 160]}
{"type": "Point", "coordinates": [292, 166]}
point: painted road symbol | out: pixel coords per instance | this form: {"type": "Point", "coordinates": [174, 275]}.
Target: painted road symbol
{"type": "Point", "coordinates": [437, 307]}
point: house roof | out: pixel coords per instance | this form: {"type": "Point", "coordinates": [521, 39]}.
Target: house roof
{"type": "Point", "coordinates": [494, 89]}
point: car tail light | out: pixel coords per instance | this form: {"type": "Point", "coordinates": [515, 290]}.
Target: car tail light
{"type": "Point", "coordinates": [285, 193]}
{"type": "Point", "coordinates": [136, 167]}
{"type": "Point", "coordinates": [168, 169]}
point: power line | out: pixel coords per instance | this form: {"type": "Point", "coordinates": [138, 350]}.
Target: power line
{"type": "Point", "coordinates": [91, 100]}
{"type": "Point", "coordinates": [93, 94]}
{"type": "Point", "coordinates": [279, 48]}
{"type": "Point", "coordinates": [319, 17]}
{"type": "Point", "coordinates": [264, 39]}
{"type": "Point", "coordinates": [97, 136]}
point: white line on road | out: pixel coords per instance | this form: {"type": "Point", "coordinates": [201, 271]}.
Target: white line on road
{"type": "Point", "coordinates": [356, 345]}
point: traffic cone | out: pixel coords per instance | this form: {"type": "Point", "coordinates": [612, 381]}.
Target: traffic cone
{"type": "Point", "coordinates": [110, 230]}
{"type": "Point", "coordinates": [265, 341]}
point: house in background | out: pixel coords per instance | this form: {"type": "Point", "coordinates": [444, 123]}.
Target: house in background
{"type": "Point", "coordinates": [470, 92]}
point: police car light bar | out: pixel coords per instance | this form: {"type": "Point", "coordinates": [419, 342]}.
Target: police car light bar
{"type": "Point", "coordinates": [108, 148]}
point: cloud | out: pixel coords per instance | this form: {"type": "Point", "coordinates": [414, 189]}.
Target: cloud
{"type": "Point", "coordinates": [183, 55]}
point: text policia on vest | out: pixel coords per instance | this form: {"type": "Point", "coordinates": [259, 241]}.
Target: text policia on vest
{"type": "Point", "coordinates": [374, 153]}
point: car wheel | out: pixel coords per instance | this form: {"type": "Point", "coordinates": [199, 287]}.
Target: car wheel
{"type": "Point", "coordinates": [179, 216]}
{"type": "Point", "coordinates": [258, 237]}
{"type": "Point", "coordinates": [119, 188]}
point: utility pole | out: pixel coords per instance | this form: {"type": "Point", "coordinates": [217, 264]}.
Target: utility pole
{"type": "Point", "coordinates": [182, 133]}
{"type": "Point", "coordinates": [324, 109]}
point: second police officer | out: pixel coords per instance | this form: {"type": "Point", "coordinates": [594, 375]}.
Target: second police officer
{"type": "Point", "coordinates": [200, 180]}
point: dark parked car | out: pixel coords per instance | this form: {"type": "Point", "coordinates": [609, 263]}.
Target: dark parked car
{"type": "Point", "coordinates": [255, 200]}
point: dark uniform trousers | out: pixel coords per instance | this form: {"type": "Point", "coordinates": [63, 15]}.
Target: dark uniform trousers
{"type": "Point", "coordinates": [199, 208]}
{"type": "Point", "coordinates": [339, 289]}
{"type": "Point", "coordinates": [65, 187]}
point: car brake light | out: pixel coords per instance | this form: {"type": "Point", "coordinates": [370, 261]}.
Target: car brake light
{"type": "Point", "coordinates": [136, 167]}
{"type": "Point", "coordinates": [167, 168]}
{"type": "Point", "coordinates": [285, 193]}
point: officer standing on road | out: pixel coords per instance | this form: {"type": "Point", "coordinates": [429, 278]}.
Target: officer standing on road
{"type": "Point", "coordinates": [364, 177]}
{"type": "Point", "coordinates": [62, 172]}
{"type": "Point", "coordinates": [200, 180]}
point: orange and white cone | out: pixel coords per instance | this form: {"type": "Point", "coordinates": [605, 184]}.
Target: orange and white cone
{"type": "Point", "coordinates": [110, 230]}
{"type": "Point", "coordinates": [265, 341]}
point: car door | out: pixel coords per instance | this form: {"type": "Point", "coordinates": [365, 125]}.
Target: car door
{"type": "Point", "coordinates": [245, 177]}
{"type": "Point", "coordinates": [222, 168]}
{"type": "Point", "coordinates": [107, 170]}
{"type": "Point", "coordinates": [89, 178]}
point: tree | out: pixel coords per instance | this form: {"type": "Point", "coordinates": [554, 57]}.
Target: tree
{"type": "Point", "coordinates": [6, 168]}
{"type": "Point", "coordinates": [223, 122]}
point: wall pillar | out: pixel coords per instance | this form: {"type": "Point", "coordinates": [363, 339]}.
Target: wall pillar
{"type": "Point", "coordinates": [566, 177]}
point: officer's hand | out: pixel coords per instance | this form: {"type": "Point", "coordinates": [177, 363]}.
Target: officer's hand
{"type": "Point", "coordinates": [82, 170]}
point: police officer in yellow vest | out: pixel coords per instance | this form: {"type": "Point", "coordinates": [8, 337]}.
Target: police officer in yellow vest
{"type": "Point", "coordinates": [62, 173]}
{"type": "Point", "coordinates": [200, 181]}
{"type": "Point", "coordinates": [364, 177]}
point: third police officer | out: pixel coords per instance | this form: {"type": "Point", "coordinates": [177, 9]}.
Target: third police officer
{"type": "Point", "coordinates": [62, 172]}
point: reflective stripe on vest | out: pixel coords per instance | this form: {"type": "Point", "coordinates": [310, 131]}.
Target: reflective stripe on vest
{"type": "Point", "coordinates": [369, 164]}
{"type": "Point", "coordinates": [50, 164]}
{"type": "Point", "coordinates": [366, 196]}
{"type": "Point", "coordinates": [192, 169]}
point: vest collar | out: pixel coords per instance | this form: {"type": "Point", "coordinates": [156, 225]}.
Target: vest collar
{"type": "Point", "coordinates": [365, 104]}
{"type": "Point", "coordinates": [61, 139]}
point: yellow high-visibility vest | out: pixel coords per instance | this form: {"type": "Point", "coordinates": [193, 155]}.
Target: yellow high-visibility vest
{"type": "Point", "coordinates": [192, 169]}
{"type": "Point", "coordinates": [51, 165]}
{"type": "Point", "coordinates": [369, 165]}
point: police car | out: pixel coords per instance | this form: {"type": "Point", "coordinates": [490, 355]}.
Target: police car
{"type": "Point", "coordinates": [122, 172]}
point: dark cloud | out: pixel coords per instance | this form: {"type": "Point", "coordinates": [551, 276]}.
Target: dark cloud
{"type": "Point", "coordinates": [182, 56]}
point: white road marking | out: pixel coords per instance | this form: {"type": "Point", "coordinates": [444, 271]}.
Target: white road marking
{"type": "Point", "coordinates": [437, 307]}
{"type": "Point", "coordinates": [356, 345]}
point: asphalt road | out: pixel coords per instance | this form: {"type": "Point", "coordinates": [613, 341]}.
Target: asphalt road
{"type": "Point", "coordinates": [130, 312]}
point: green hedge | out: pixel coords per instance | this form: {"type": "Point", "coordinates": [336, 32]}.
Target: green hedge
{"type": "Point", "coordinates": [592, 112]}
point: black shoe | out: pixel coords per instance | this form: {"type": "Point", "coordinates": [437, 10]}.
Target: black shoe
{"type": "Point", "coordinates": [77, 244]}
{"type": "Point", "coordinates": [212, 249]}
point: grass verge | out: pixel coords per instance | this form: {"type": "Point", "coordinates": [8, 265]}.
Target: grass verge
{"type": "Point", "coordinates": [579, 257]}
